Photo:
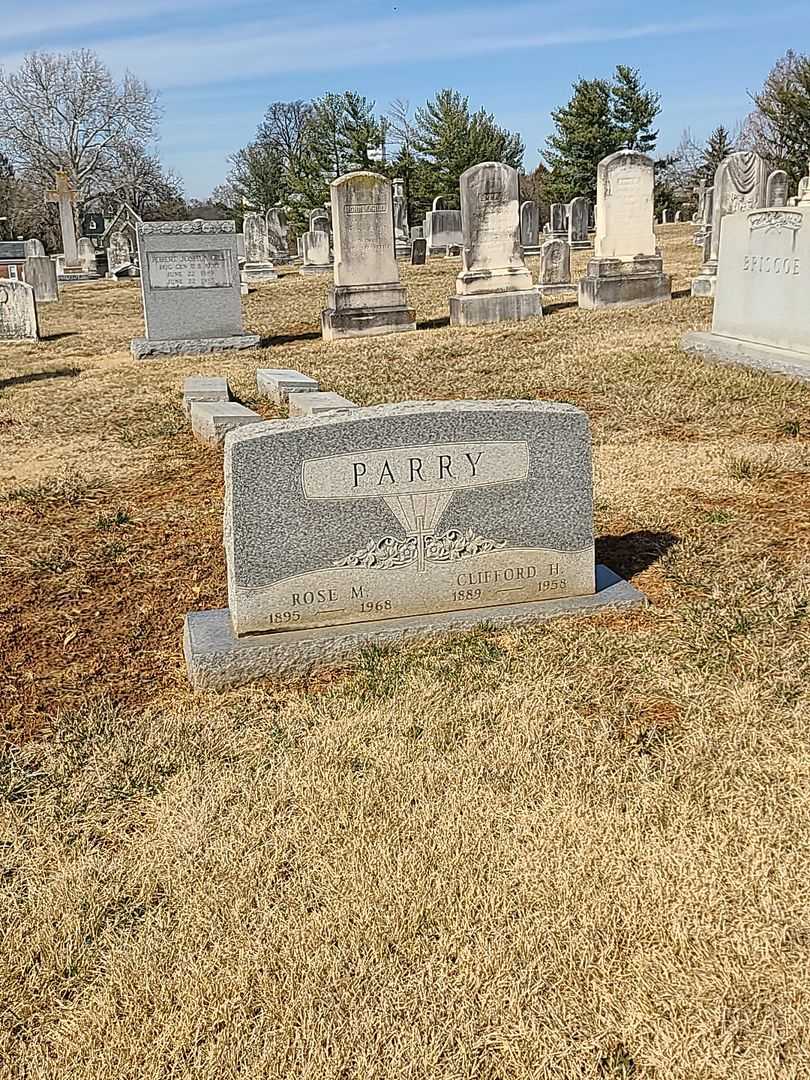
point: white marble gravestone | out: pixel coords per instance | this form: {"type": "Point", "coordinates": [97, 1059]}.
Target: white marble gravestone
{"type": "Point", "coordinates": [18, 312]}
{"type": "Point", "coordinates": [278, 235]}
{"type": "Point", "coordinates": [190, 288]}
{"type": "Point", "coordinates": [34, 249]}
{"type": "Point", "coordinates": [40, 273]}
{"type": "Point", "coordinates": [494, 284]}
{"type": "Point", "coordinates": [579, 212]}
{"type": "Point", "coordinates": [118, 252]}
{"type": "Point", "coordinates": [315, 252]}
{"type": "Point", "coordinates": [367, 297]}
{"type": "Point", "coordinates": [626, 270]}
{"type": "Point", "coordinates": [740, 183]}
{"type": "Point", "coordinates": [558, 225]}
{"type": "Point", "coordinates": [87, 256]}
{"type": "Point", "coordinates": [776, 192]}
{"type": "Point", "coordinates": [555, 267]}
{"type": "Point", "coordinates": [394, 523]}
{"type": "Point", "coordinates": [258, 264]}
{"type": "Point", "coordinates": [65, 198]}
{"type": "Point", "coordinates": [762, 299]}
{"type": "Point", "coordinates": [402, 237]}
{"type": "Point", "coordinates": [443, 231]}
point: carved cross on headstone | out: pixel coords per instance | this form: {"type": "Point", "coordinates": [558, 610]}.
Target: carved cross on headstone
{"type": "Point", "coordinates": [65, 197]}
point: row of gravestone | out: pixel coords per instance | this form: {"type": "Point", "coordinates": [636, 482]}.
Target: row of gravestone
{"type": "Point", "coordinates": [190, 280]}
{"type": "Point", "coordinates": [346, 526]}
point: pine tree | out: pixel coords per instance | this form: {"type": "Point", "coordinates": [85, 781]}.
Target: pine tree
{"type": "Point", "coordinates": [583, 137]}
{"type": "Point", "coordinates": [718, 146]}
{"type": "Point", "coordinates": [779, 128]}
{"type": "Point", "coordinates": [634, 110]}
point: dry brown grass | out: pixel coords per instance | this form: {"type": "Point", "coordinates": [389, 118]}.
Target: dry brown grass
{"type": "Point", "coordinates": [573, 851]}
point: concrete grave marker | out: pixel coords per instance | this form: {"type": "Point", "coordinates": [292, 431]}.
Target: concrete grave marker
{"type": "Point", "coordinates": [18, 312]}
{"type": "Point", "coordinates": [740, 183]}
{"type": "Point", "coordinates": [204, 388]}
{"type": "Point", "coordinates": [579, 211]}
{"type": "Point", "coordinates": [190, 288]}
{"type": "Point", "coordinates": [776, 193]}
{"type": "Point", "coordinates": [399, 522]}
{"type": "Point", "coordinates": [367, 297]}
{"type": "Point", "coordinates": [212, 420]}
{"type": "Point", "coordinates": [278, 235]}
{"type": "Point", "coordinates": [40, 273]}
{"type": "Point", "coordinates": [494, 283]}
{"type": "Point", "coordinates": [558, 225]}
{"type": "Point", "coordinates": [418, 251]}
{"type": "Point", "coordinates": [279, 383]}
{"type": "Point", "coordinates": [626, 270]}
{"type": "Point", "coordinates": [258, 264]}
{"type": "Point", "coordinates": [315, 252]}
{"type": "Point", "coordinates": [530, 228]}
{"type": "Point", "coordinates": [34, 249]}
{"type": "Point", "coordinates": [87, 256]}
{"type": "Point", "coordinates": [555, 267]}
{"type": "Point", "coordinates": [306, 403]}
{"type": "Point", "coordinates": [443, 231]}
{"type": "Point", "coordinates": [118, 252]}
{"type": "Point", "coordinates": [761, 309]}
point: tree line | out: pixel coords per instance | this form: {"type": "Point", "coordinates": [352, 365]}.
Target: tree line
{"type": "Point", "coordinates": [66, 111]}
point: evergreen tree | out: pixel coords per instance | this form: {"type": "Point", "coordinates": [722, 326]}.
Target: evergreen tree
{"type": "Point", "coordinates": [343, 129]}
{"type": "Point", "coordinates": [600, 118]}
{"type": "Point", "coordinates": [718, 146]}
{"type": "Point", "coordinates": [634, 110]}
{"type": "Point", "coordinates": [779, 128]}
{"type": "Point", "coordinates": [583, 137]}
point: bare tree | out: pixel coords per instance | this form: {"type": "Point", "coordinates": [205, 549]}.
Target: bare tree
{"type": "Point", "coordinates": [65, 111]}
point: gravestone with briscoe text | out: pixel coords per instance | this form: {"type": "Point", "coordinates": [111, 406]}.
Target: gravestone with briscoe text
{"type": "Point", "coordinates": [394, 523]}
{"type": "Point", "coordinates": [761, 314]}
{"type": "Point", "coordinates": [740, 183]}
{"type": "Point", "coordinates": [626, 270]}
{"type": "Point", "coordinates": [190, 288]}
{"type": "Point", "coordinates": [40, 273]}
{"type": "Point", "coordinates": [367, 297]}
{"type": "Point", "coordinates": [18, 312]}
{"type": "Point", "coordinates": [494, 284]}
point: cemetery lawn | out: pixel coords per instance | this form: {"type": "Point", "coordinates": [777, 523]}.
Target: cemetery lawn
{"type": "Point", "coordinates": [579, 850]}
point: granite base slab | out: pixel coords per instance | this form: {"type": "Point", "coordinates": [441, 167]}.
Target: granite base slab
{"type": "Point", "coordinates": [144, 347]}
{"type": "Point", "coordinates": [727, 350]}
{"type": "Point", "coordinates": [204, 388]}
{"type": "Point", "coordinates": [481, 308]}
{"type": "Point", "coordinates": [624, 290]}
{"type": "Point", "coordinates": [366, 322]}
{"type": "Point", "coordinates": [216, 659]}
{"type": "Point", "coordinates": [212, 420]}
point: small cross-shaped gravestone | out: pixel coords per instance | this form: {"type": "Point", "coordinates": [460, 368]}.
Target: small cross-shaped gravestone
{"type": "Point", "coordinates": [65, 197]}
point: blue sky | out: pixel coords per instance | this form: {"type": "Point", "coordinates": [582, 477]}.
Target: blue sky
{"type": "Point", "coordinates": [217, 65]}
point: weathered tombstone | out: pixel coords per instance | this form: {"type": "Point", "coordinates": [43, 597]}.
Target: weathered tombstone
{"type": "Point", "coordinates": [212, 420]}
{"type": "Point", "coordinates": [418, 232]}
{"type": "Point", "coordinates": [740, 183]}
{"type": "Point", "coordinates": [665, 217]}
{"type": "Point", "coordinates": [530, 228]}
{"type": "Point", "coordinates": [278, 235]}
{"type": "Point", "coordinates": [578, 215]}
{"type": "Point", "coordinates": [418, 251]}
{"type": "Point", "coordinates": [34, 249]}
{"type": "Point", "coordinates": [65, 197]}
{"type": "Point", "coordinates": [443, 231]}
{"type": "Point", "coordinates": [439, 203]}
{"type": "Point", "coordinates": [367, 297]}
{"type": "Point", "coordinates": [40, 273]}
{"type": "Point", "coordinates": [118, 252]}
{"type": "Point", "coordinates": [761, 312]}
{"type": "Point", "coordinates": [678, 216]}
{"type": "Point", "coordinates": [559, 221]}
{"type": "Point", "coordinates": [494, 284]}
{"type": "Point", "coordinates": [190, 288]}
{"type": "Point", "coordinates": [87, 256]}
{"type": "Point", "coordinates": [319, 220]}
{"type": "Point", "coordinates": [804, 188]}
{"type": "Point", "coordinates": [776, 193]}
{"type": "Point", "coordinates": [18, 312]}
{"type": "Point", "coordinates": [555, 267]}
{"type": "Point", "coordinates": [402, 238]}
{"type": "Point", "coordinates": [626, 270]}
{"type": "Point", "coordinates": [204, 388]}
{"type": "Point", "coordinates": [280, 383]}
{"type": "Point", "coordinates": [258, 264]}
{"type": "Point", "coordinates": [399, 522]}
{"type": "Point", "coordinates": [315, 252]}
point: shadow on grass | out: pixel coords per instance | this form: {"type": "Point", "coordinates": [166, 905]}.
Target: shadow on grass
{"type": "Point", "coordinates": [681, 294]}
{"type": "Point", "coordinates": [287, 339]}
{"type": "Point", "coordinates": [39, 376]}
{"type": "Point", "coordinates": [559, 305]}
{"type": "Point", "coordinates": [633, 552]}
{"type": "Point", "coordinates": [58, 337]}
{"type": "Point", "coordinates": [434, 324]}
